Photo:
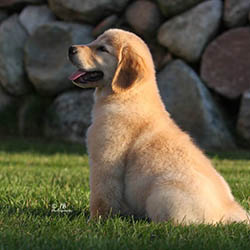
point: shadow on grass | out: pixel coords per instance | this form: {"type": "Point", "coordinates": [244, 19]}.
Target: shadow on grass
{"type": "Point", "coordinates": [236, 155]}
{"type": "Point", "coordinates": [39, 145]}
{"type": "Point", "coordinates": [50, 147]}
{"type": "Point", "coordinates": [112, 234]}
{"type": "Point", "coordinates": [71, 214]}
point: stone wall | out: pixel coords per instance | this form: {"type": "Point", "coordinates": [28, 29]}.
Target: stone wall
{"type": "Point", "coordinates": [201, 51]}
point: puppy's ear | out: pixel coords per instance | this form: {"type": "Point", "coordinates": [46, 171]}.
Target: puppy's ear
{"type": "Point", "coordinates": [130, 70]}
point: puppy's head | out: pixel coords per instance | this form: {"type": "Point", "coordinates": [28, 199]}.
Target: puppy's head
{"type": "Point", "coordinates": [117, 60]}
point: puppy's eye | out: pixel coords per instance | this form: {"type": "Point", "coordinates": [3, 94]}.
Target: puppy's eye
{"type": "Point", "coordinates": [102, 48]}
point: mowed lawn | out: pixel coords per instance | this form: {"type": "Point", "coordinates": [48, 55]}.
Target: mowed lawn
{"type": "Point", "coordinates": [44, 204]}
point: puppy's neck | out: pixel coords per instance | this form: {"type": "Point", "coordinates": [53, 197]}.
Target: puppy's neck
{"type": "Point", "coordinates": [146, 93]}
{"type": "Point", "coordinates": [102, 93]}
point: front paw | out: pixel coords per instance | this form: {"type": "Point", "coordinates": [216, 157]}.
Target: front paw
{"type": "Point", "coordinates": [94, 219]}
{"type": "Point", "coordinates": [99, 209]}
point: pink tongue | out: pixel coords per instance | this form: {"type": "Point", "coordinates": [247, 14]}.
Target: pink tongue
{"type": "Point", "coordinates": [77, 74]}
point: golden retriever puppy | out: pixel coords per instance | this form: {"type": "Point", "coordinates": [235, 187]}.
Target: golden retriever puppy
{"type": "Point", "coordinates": [141, 162]}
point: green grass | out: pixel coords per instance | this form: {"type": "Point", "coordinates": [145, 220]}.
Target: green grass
{"type": "Point", "coordinates": [36, 174]}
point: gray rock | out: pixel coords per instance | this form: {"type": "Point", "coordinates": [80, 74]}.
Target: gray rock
{"type": "Point", "coordinates": [144, 17]}
{"type": "Point", "coordinates": [3, 15]}
{"type": "Point", "coordinates": [171, 8]}
{"type": "Point", "coordinates": [34, 16]}
{"type": "Point", "coordinates": [49, 70]}
{"type": "Point", "coordinates": [187, 34]}
{"type": "Point", "coordinates": [108, 23]}
{"type": "Point", "coordinates": [12, 40]}
{"type": "Point", "coordinates": [31, 115]}
{"type": "Point", "coordinates": [88, 10]}
{"type": "Point", "coordinates": [236, 12]}
{"type": "Point", "coordinates": [11, 3]}
{"type": "Point", "coordinates": [192, 107]}
{"type": "Point", "coordinates": [243, 123]}
{"type": "Point", "coordinates": [70, 115]}
{"type": "Point", "coordinates": [225, 63]}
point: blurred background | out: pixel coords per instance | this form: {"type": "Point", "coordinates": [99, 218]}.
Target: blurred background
{"type": "Point", "coordinates": [201, 51]}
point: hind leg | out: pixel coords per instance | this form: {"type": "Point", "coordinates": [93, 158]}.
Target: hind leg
{"type": "Point", "coordinates": [236, 213]}
{"type": "Point", "coordinates": [172, 204]}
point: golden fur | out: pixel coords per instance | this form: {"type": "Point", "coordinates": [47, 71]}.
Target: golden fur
{"type": "Point", "coordinates": [141, 162]}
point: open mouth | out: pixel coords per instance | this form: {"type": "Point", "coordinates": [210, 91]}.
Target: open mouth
{"type": "Point", "coordinates": [82, 76]}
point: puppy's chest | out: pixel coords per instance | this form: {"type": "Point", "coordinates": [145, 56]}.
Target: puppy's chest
{"type": "Point", "coordinates": [107, 140]}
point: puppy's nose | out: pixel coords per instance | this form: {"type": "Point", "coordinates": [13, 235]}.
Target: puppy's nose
{"type": "Point", "coordinates": [72, 50]}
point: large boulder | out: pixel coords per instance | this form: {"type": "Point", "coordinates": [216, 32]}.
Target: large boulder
{"type": "Point", "coordinates": [88, 10]}
{"type": "Point", "coordinates": [69, 116]}
{"type": "Point", "coordinates": [225, 63]}
{"type": "Point", "coordinates": [33, 17]}
{"type": "Point", "coordinates": [171, 8]}
{"type": "Point", "coordinates": [192, 107]}
{"type": "Point", "coordinates": [46, 52]}
{"type": "Point", "coordinates": [144, 17]}
{"type": "Point", "coordinates": [236, 12]}
{"type": "Point", "coordinates": [12, 41]}
{"type": "Point", "coordinates": [243, 123]}
{"type": "Point", "coordinates": [187, 34]}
